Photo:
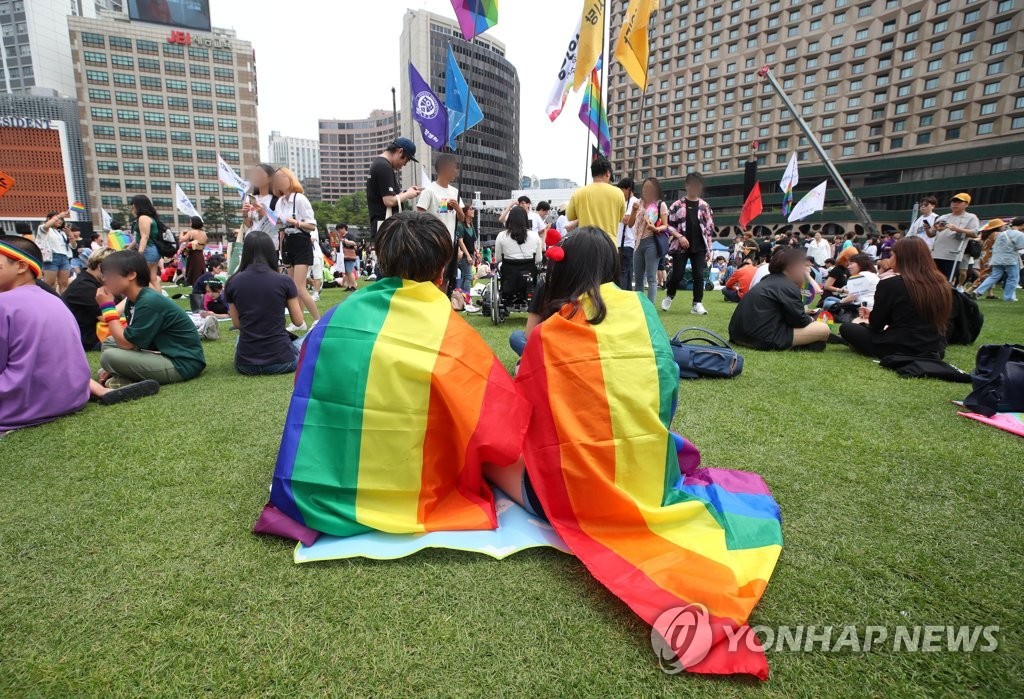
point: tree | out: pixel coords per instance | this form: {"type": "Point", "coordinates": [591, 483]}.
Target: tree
{"type": "Point", "coordinates": [215, 216]}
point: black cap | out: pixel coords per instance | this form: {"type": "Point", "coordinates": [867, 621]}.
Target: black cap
{"type": "Point", "coordinates": [408, 146]}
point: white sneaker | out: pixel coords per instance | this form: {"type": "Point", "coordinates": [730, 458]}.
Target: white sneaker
{"type": "Point", "coordinates": [698, 310]}
{"type": "Point", "coordinates": [666, 303]}
{"type": "Point", "coordinates": [293, 328]}
{"type": "Point", "coordinates": [316, 297]}
{"type": "Point", "coordinates": [470, 308]}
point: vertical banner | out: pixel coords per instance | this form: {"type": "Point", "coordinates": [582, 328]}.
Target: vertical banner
{"type": "Point", "coordinates": [633, 47]}
{"type": "Point", "coordinates": [566, 75]}
{"type": "Point", "coordinates": [591, 42]}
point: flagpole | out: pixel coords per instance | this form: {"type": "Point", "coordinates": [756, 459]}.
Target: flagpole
{"type": "Point", "coordinates": [643, 105]}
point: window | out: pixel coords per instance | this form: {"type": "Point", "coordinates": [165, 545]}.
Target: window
{"type": "Point", "coordinates": [988, 108]}
{"type": "Point", "coordinates": [182, 153]}
{"type": "Point", "coordinates": [130, 133]}
{"type": "Point", "coordinates": [896, 142]}
{"type": "Point", "coordinates": [201, 88]}
{"type": "Point", "coordinates": [103, 131]}
{"type": "Point", "coordinates": [1004, 6]}
{"type": "Point", "coordinates": [174, 68]}
{"type": "Point", "coordinates": [927, 120]}
{"type": "Point", "coordinates": [931, 84]}
{"type": "Point", "coordinates": [176, 85]}
{"type": "Point", "coordinates": [985, 128]}
{"type": "Point", "coordinates": [197, 71]}
{"type": "Point", "coordinates": [149, 65]}
{"type": "Point", "coordinates": [108, 166]}
{"type": "Point", "coordinates": [106, 149]}
{"type": "Point", "coordinates": [961, 76]}
{"type": "Point", "coordinates": [227, 124]}
{"type": "Point", "coordinates": [149, 82]}
{"type": "Point", "coordinates": [202, 105]}
{"type": "Point", "coordinates": [153, 100]}
{"type": "Point", "coordinates": [95, 58]}
{"type": "Point", "coordinates": [129, 115]}
{"type": "Point", "coordinates": [224, 74]}
{"type": "Point", "coordinates": [156, 135]}
{"type": "Point", "coordinates": [146, 46]}
{"type": "Point", "coordinates": [120, 42]}
{"type": "Point", "coordinates": [849, 150]}
{"type": "Point", "coordinates": [124, 79]}
{"type": "Point", "coordinates": [1017, 123]}
{"type": "Point", "coordinates": [198, 54]}
{"type": "Point", "coordinates": [177, 103]}
{"type": "Point", "coordinates": [102, 114]}
{"type": "Point", "coordinates": [122, 61]}
{"type": "Point", "coordinates": [181, 137]}
{"type": "Point", "coordinates": [232, 141]}
{"type": "Point", "coordinates": [203, 122]}
{"type": "Point", "coordinates": [924, 138]}
{"type": "Point", "coordinates": [156, 153]}
{"type": "Point", "coordinates": [953, 133]}
{"type": "Point", "coordinates": [221, 56]}
{"type": "Point", "coordinates": [97, 76]}
{"type": "Point", "coordinates": [184, 171]}
{"type": "Point", "coordinates": [928, 103]}
{"type": "Point", "coordinates": [991, 89]}
{"type": "Point", "coordinates": [90, 39]}
{"type": "Point", "coordinates": [994, 68]}
{"type": "Point", "coordinates": [998, 47]}
{"type": "Point", "coordinates": [131, 152]}
{"type": "Point", "coordinates": [206, 139]}
{"type": "Point", "coordinates": [97, 95]}
{"type": "Point", "coordinates": [902, 107]}
{"type": "Point", "coordinates": [226, 90]}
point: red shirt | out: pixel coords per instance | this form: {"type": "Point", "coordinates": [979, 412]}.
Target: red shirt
{"type": "Point", "coordinates": [741, 278]}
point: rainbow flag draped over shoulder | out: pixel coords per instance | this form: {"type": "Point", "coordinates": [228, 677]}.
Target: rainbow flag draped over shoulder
{"type": "Point", "coordinates": [397, 403]}
{"type": "Point", "coordinates": [607, 472]}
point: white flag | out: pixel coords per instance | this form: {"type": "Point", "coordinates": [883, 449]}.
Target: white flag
{"type": "Point", "coordinates": [792, 177]}
{"type": "Point", "coordinates": [229, 178]}
{"type": "Point", "coordinates": [183, 203]}
{"type": "Point", "coordinates": [105, 218]}
{"type": "Point", "coordinates": [424, 177]}
{"type": "Point", "coordinates": [566, 74]}
{"type": "Point", "coordinates": [812, 202]}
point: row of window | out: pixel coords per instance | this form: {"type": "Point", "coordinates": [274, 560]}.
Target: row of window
{"type": "Point", "coordinates": [145, 46]}
{"type": "Point", "coordinates": [179, 103]}
{"type": "Point", "coordinates": [156, 169]}
{"type": "Point", "coordinates": [132, 116]}
{"type": "Point", "coordinates": [153, 66]}
{"type": "Point", "coordinates": [147, 82]}
{"type": "Point", "coordinates": [161, 153]}
{"type": "Point", "coordinates": [131, 133]}
{"type": "Point", "coordinates": [111, 185]}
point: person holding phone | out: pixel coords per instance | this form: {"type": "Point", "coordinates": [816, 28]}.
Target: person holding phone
{"type": "Point", "coordinates": [924, 226]}
{"type": "Point", "coordinates": [383, 198]}
{"type": "Point", "coordinates": [298, 227]}
{"type": "Point", "coordinates": [952, 232]}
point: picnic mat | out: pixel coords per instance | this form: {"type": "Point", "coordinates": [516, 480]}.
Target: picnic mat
{"type": "Point", "coordinates": [1008, 422]}
{"type": "Point", "coordinates": [517, 530]}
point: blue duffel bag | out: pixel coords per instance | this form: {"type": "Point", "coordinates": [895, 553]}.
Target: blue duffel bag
{"type": "Point", "coordinates": [701, 353]}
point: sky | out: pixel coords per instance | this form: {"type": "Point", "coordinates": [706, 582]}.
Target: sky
{"type": "Point", "coordinates": [339, 59]}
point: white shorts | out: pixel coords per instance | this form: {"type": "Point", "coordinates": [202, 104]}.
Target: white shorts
{"type": "Point", "coordinates": [316, 270]}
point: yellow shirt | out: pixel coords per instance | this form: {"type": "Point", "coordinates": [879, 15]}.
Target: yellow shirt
{"type": "Point", "coordinates": [598, 204]}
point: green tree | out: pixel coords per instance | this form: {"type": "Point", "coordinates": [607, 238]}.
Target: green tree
{"type": "Point", "coordinates": [126, 214]}
{"type": "Point", "coordinates": [215, 217]}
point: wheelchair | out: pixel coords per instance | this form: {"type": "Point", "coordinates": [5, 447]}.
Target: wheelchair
{"type": "Point", "coordinates": [510, 290]}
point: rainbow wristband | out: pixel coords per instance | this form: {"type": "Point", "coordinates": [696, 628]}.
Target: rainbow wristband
{"type": "Point", "coordinates": [109, 313]}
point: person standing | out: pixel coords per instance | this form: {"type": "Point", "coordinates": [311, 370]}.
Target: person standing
{"type": "Point", "coordinates": [819, 250]}
{"type": "Point", "coordinates": [53, 242]}
{"type": "Point", "coordinates": [465, 241]}
{"type": "Point", "coordinates": [441, 199]}
{"type": "Point", "coordinates": [626, 235]}
{"type": "Point", "coordinates": [1005, 260]}
{"type": "Point", "coordinates": [349, 254]}
{"type": "Point", "coordinates": [952, 232]}
{"type": "Point", "coordinates": [146, 230]}
{"type": "Point", "coordinates": [193, 242]}
{"type": "Point", "coordinates": [295, 215]}
{"type": "Point", "coordinates": [600, 203]}
{"type": "Point", "coordinates": [692, 225]}
{"type": "Point", "coordinates": [648, 218]}
{"type": "Point", "coordinates": [382, 196]}
{"type": "Point", "coordinates": [923, 226]}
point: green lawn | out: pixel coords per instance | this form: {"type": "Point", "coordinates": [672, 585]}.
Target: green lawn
{"type": "Point", "coordinates": [127, 566]}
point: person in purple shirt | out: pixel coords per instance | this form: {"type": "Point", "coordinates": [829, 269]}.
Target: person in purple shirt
{"type": "Point", "coordinates": [44, 374]}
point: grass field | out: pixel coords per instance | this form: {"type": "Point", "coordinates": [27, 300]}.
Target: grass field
{"type": "Point", "coordinates": [127, 566]}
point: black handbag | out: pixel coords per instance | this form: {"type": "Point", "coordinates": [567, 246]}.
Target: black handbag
{"type": "Point", "coordinates": [998, 381]}
{"type": "Point", "coordinates": [705, 354]}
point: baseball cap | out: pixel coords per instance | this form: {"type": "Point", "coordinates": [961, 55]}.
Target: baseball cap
{"type": "Point", "coordinates": [963, 196]}
{"type": "Point", "coordinates": [408, 146]}
{"type": "Point", "coordinates": [994, 223]}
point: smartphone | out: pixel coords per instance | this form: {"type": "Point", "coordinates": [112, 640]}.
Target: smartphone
{"type": "Point", "coordinates": [252, 199]}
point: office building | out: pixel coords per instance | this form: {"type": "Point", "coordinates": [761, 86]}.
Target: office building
{"type": "Point", "coordinates": [300, 155]}
{"type": "Point", "coordinates": [346, 148]}
{"type": "Point", "coordinates": [157, 105]}
{"type": "Point", "coordinates": [908, 99]}
{"type": "Point", "coordinates": [313, 189]}
{"type": "Point", "coordinates": [490, 151]}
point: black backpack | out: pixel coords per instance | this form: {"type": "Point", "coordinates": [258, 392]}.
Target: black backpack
{"type": "Point", "coordinates": [966, 320]}
{"type": "Point", "coordinates": [998, 381]}
{"type": "Point", "coordinates": [166, 242]}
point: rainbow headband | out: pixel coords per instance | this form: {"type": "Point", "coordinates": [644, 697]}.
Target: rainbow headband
{"type": "Point", "coordinates": [8, 250]}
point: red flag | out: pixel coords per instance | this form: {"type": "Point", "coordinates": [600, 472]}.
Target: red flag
{"type": "Point", "coordinates": [752, 207]}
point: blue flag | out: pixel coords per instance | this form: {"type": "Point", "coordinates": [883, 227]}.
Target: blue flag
{"type": "Point", "coordinates": [427, 110]}
{"type": "Point", "coordinates": [463, 111]}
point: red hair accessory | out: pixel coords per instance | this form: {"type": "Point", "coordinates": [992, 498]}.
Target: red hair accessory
{"type": "Point", "coordinates": [552, 238]}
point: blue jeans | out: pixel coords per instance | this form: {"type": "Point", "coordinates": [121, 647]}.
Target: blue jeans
{"type": "Point", "coordinates": [1008, 274]}
{"type": "Point", "coordinates": [645, 267]}
{"type": "Point", "coordinates": [517, 341]}
{"type": "Point", "coordinates": [151, 254]}
{"type": "Point", "coordinates": [272, 369]}
{"type": "Point", "coordinates": [60, 263]}
{"type": "Point", "coordinates": [466, 270]}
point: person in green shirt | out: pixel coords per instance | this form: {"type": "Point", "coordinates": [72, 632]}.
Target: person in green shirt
{"type": "Point", "coordinates": [159, 342]}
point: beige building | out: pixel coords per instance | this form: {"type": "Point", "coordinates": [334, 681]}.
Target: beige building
{"type": "Point", "coordinates": [908, 98]}
{"type": "Point", "coordinates": [346, 148]}
{"type": "Point", "coordinates": [157, 105]}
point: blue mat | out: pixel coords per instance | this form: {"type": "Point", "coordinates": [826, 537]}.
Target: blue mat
{"type": "Point", "coordinates": [517, 530]}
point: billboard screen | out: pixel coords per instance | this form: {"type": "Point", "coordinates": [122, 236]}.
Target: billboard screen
{"type": "Point", "coordinates": [188, 14]}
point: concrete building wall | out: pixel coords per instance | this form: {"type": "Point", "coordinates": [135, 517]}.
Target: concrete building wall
{"type": "Point", "coordinates": [346, 148]}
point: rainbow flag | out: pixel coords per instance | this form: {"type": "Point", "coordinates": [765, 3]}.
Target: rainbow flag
{"type": "Point", "coordinates": [78, 207]}
{"type": "Point", "coordinates": [397, 402]}
{"type": "Point", "coordinates": [669, 539]}
{"type": "Point", "coordinates": [118, 240]}
{"type": "Point", "coordinates": [593, 114]}
{"type": "Point", "coordinates": [475, 16]}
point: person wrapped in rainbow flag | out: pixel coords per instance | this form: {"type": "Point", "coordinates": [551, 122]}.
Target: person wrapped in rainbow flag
{"type": "Point", "coordinates": [670, 539]}
{"type": "Point", "coordinates": [397, 404]}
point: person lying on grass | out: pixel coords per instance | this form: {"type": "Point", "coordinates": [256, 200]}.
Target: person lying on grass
{"type": "Point", "coordinates": [43, 370]}
{"type": "Point", "coordinates": [397, 404]}
{"type": "Point", "coordinates": [160, 341]}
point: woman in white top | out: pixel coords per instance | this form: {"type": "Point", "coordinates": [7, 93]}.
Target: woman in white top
{"type": "Point", "coordinates": [53, 242]}
{"type": "Point", "coordinates": [860, 287]}
{"type": "Point", "coordinates": [257, 202]}
{"type": "Point", "coordinates": [297, 223]}
{"type": "Point", "coordinates": [518, 241]}
{"type": "Point", "coordinates": [819, 250]}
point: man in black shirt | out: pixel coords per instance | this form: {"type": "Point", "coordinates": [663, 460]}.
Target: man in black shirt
{"type": "Point", "coordinates": [382, 195]}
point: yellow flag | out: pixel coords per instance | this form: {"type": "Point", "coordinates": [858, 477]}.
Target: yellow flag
{"type": "Point", "coordinates": [633, 47]}
{"type": "Point", "coordinates": [591, 42]}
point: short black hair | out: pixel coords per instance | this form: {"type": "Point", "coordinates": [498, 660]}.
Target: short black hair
{"type": "Point", "coordinates": [524, 200]}
{"type": "Point", "coordinates": [445, 159]}
{"type": "Point", "coordinates": [930, 200]}
{"type": "Point", "coordinates": [600, 167]}
{"type": "Point", "coordinates": [694, 177]}
{"type": "Point", "coordinates": [196, 223]}
{"type": "Point", "coordinates": [341, 227]}
{"type": "Point", "coordinates": [627, 183]}
{"type": "Point", "coordinates": [217, 261]}
{"type": "Point", "coordinates": [1019, 221]}
{"type": "Point", "coordinates": [124, 262]}
{"type": "Point", "coordinates": [413, 245]}
{"type": "Point", "coordinates": [543, 206]}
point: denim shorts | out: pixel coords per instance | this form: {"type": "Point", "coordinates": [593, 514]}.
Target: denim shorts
{"type": "Point", "coordinates": [59, 263]}
{"type": "Point", "coordinates": [350, 266]}
{"type": "Point", "coordinates": [151, 254]}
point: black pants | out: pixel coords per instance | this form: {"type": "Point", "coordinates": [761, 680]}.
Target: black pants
{"type": "Point", "coordinates": [450, 273]}
{"type": "Point", "coordinates": [947, 267]}
{"type": "Point", "coordinates": [626, 273]}
{"type": "Point", "coordinates": [698, 263]}
{"type": "Point", "coordinates": [731, 295]}
{"type": "Point", "coordinates": [861, 338]}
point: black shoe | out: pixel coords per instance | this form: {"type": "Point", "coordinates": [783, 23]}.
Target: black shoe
{"type": "Point", "coordinates": [134, 391]}
{"type": "Point", "coordinates": [813, 347]}
{"type": "Point", "coordinates": [834, 339]}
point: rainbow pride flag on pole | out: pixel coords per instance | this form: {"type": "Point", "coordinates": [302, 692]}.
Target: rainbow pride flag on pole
{"type": "Point", "coordinates": [593, 114]}
{"type": "Point", "coordinates": [669, 539]}
{"type": "Point", "coordinates": [475, 16]}
{"type": "Point", "coordinates": [397, 403]}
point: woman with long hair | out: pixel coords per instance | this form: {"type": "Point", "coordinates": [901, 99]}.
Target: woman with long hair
{"type": "Point", "coordinates": [518, 241]}
{"type": "Point", "coordinates": [55, 245]}
{"type": "Point", "coordinates": [258, 200]}
{"type": "Point", "coordinates": [912, 309]}
{"type": "Point", "coordinates": [147, 228]}
{"type": "Point", "coordinates": [298, 223]}
{"type": "Point", "coordinates": [649, 220]}
{"type": "Point", "coordinates": [257, 296]}
{"type": "Point", "coordinates": [193, 243]}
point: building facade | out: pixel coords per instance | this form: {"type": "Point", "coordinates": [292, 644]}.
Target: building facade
{"type": "Point", "coordinates": [490, 151]}
{"type": "Point", "coordinates": [908, 98]}
{"type": "Point", "coordinates": [346, 148]}
{"type": "Point", "coordinates": [34, 50]}
{"type": "Point", "coordinates": [156, 106]}
{"type": "Point", "coordinates": [300, 155]}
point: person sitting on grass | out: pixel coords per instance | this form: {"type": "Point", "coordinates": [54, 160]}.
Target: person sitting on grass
{"type": "Point", "coordinates": [911, 311]}
{"type": "Point", "coordinates": [160, 341]}
{"type": "Point", "coordinates": [44, 374]}
{"type": "Point", "coordinates": [80, 298]}
{"type": "Point", "coordinates": [257, 298]}
{"type": "Point", "coordinates": [397, 403]}
{"type": "Point", "coordinates": [771, 315]}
